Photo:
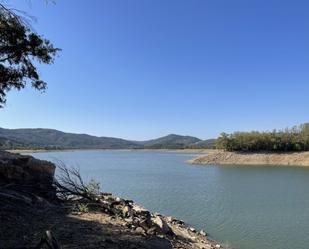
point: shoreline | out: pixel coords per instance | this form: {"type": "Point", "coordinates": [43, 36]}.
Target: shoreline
{"type": "Point", "coordinates": [147, 223]}
{"type": "Point", "coordinates": [104, 221]}
{"type": "Point", "coordinates": [67, 150]}
{"type": "Point", "coordinates": [218, 157]}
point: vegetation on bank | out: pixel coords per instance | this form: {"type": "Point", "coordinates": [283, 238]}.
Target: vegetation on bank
{"type": "Point", "coordinates": [294, 139]}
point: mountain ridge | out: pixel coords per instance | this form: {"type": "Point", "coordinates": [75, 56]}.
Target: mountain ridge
{"type": "Point", "coordinates": [41, 138]}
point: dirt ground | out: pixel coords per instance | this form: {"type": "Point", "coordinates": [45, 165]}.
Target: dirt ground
{"type": "Point", "coordinates": [240, 158]}
{"type": "Point", "coordinates": [22, 226]}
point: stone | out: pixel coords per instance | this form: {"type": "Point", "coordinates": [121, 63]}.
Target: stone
{"type": "Point", "coordinates": [23, 170]}
{"type": "Point", "coordinates": [202, 233]}
{"type": "Point", "coordinates": [162, 225]}
{"type": "Point", "coordinates": [140, 230]}
{"type": "Point", "coordinates": [151, 231]}
{"type": "Point", "coordinates": [217, 246]}
{"type": "Point", "coordinates": [178, 222]}
{"type": "Point", "coordinates": [129, 220]}
{"type": "Point", "coordinates": [145, 223]}
{"type": "Point", "coordinates": [169, 219]}
{"type": "Point", "coordinates": [129, 202]}
{"type": "Point", "coordinates": [192, 229]}
{"type": "Point", "coordinates": [127, 212]}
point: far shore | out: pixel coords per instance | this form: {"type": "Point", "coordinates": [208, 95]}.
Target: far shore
{"type": "Point", "coordinates": [66, 150]}
{"type": "Point", "coordinates": [213, 156]}
{"type": "Point", "coordinates": [218, 157]}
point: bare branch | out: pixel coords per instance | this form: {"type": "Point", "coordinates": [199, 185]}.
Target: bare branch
{"type": "Point", "coordinates": [70, 185]}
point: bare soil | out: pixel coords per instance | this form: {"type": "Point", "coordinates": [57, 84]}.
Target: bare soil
{"type": "Point", "coordinates": [23, 223]}
{"type": "Point", "coordinates": [240, 158]}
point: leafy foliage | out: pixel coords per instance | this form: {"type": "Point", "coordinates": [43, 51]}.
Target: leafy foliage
{"type": "Point", "coordinates": [93, 187]}
{"type": "Point", "coordinates": [294, 139]}
{"type": "Point", "coordinates": [204, 144]}
{"type": "Point", "coordinates": [82, 207]}
{"type": "Point", "coordinates": [20, 47]}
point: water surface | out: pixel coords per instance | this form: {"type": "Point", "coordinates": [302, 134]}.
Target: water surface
{"type": "Point", "coordinates": [247, 207]}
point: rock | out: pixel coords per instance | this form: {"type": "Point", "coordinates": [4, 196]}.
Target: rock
{"type": "Point", "coordinates": [129, 220]}
{"type": "Point", "coordinates": [140, 211]}
{"type": "Point", "coordinates": [202, 233]}
{"type": "Point", "coordinates": [177, 222]}
{"type": "Point", "coordinates": [162, 225]}
{"type": "Point", "coordinates": [127, 212]}
{"type": "Point", "coordinates": [217, 246]}
{"type": "Point", "coordinates": [192, 229]}
{"type": "Point", "coordinates": [26, 171]}
{"type": "Point", "coordinates": [145, 214]}
{"type": "Point", "coordinates": [129, 202]}
{"type": "Point", "coordinates": [169, 219]}
{"type": "Point", "coordinates": [145, 223]}
{"type": "Point", "coordinates": [151, 230]}
{"type": "Point", "coordinates": [140, 230]}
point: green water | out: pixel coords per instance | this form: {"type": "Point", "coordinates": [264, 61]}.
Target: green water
{"type": "Point", "coordinates": [245, 207]}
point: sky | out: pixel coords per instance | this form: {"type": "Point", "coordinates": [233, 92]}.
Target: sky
{"type": "Point", "coordinates": [140, 69]}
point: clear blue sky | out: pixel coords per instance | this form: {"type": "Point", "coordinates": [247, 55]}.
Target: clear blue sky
{"type": "Point", "coordinates": [140, 69]}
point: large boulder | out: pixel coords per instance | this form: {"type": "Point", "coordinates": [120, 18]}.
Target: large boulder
{"type": "Point", "coordinates": [27, 172]}
{"type": "Point", "coordinates": [162, 226]}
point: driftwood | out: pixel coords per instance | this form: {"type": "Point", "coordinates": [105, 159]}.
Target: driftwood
{"type": "Point", "coordinates": [70, 185]}
{"type": "Point", "coordinates": [48, 240]}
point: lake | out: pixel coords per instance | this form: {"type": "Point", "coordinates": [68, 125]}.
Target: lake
{"type": "Point", "coordinates": [247, 207]}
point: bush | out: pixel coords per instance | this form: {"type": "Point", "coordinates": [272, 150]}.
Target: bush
{"type": "Point", "coordinates": [294, 139]}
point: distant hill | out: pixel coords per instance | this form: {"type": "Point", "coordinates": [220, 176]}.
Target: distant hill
{"type": "Point", "coordinates": [8, 144]}
{"type": "Point", "coordinates": [54, 139]}
{"type": "Point", "coordinates": [170, 141]}
{"type": "Point", "coordinates": [48, 138]}
{"type": "Point", "coordinates": [204, 144]}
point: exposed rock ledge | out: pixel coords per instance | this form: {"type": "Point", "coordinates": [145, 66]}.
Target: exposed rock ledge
{"type": "Point", "coordinates": [26, 213]}
{"type": "Point", "coordinates": [240, 158]}
{"type": "Point", "coordinates": [27, 173]}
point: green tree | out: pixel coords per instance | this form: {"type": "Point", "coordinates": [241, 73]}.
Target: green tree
{"type": "Point", "coordinates": [20, 48]}
{"type": "Point", "coordinates": [294, 139]}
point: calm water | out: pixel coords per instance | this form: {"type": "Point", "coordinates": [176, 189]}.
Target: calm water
{"type": "Point", "coordinates": [246, 207]}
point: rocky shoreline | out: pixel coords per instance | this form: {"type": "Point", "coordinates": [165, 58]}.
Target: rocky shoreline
{"type": "Point", "coordinates": [241, 158]}
{"type": "Point", "coordinates": [26, 212]}
{"type": "Point", "coordinates": [150, 224]}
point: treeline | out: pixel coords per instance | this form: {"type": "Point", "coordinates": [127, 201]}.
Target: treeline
{"type": "Point", "coordinates": [8, 144]}
{"type": "Point", "coordinates": [294, 139]}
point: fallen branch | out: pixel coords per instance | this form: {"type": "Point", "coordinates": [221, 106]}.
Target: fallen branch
{"type": "Point", "coordinates": [70, 185]}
